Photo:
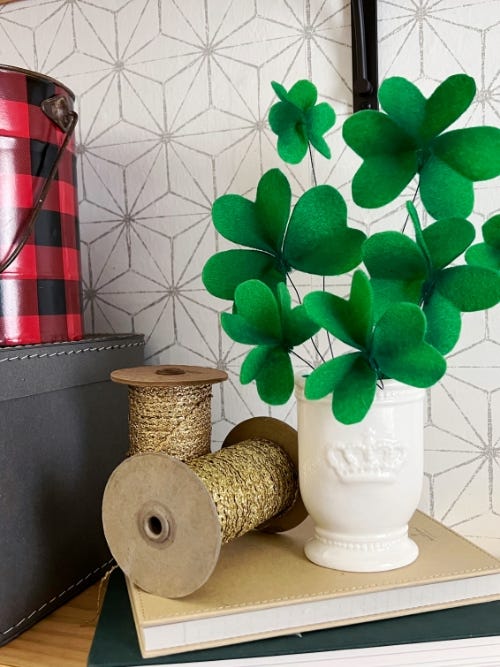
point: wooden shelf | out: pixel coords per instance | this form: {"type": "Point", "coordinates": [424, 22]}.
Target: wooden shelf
{"type": "Point", "coordinates": [62, 639]}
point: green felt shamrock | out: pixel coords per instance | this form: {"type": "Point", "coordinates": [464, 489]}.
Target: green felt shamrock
{"type": "Point", "coordinates": [315, 238]}
{"type": "Point", "coordinates": [299, 121]}
{"type": "Point", "coordinates": [268, 321]}
{"type": "Point", "coordinates": [409, 139]}
{"type": "Point", "coordinates": [487, 254]}
{"type": "Point", "coordinates": [418, 272]}
{"type": "Point", "coordinates": [392, 347]}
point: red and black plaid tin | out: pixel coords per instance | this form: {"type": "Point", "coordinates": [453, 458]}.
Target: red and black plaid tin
{"type": "Point", "coordinates": [40, 291]}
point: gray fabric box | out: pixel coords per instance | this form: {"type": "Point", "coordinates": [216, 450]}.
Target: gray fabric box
{"type": "Point", "coordinates": [63, 429]}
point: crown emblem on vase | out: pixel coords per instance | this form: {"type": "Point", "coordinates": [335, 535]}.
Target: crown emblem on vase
{"type": "Point", "coordinates": [371, 457]}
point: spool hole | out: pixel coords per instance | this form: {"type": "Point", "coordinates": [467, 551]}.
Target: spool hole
{"type": "Point", "coordinates": [170, 370]}
{"type": "Point", "coordinates": [156, 528]}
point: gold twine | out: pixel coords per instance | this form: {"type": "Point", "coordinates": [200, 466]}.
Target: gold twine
{"type": "Point", "coordinates": [250, 483]}
{"type": "Point", "coordinates": [175, 420]}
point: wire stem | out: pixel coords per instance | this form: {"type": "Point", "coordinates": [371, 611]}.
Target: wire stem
{"type": "Point", "coordinates": [315, 181]}
{"type": "Point", "coordinates": [307, 363]}
{"type": "Point", "coordinates": [313, 342]}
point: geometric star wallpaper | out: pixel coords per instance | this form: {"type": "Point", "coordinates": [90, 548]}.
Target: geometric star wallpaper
{"type": "Point", "coordinates": [173, 100]}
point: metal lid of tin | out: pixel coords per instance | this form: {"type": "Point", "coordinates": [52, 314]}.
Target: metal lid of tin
{"type": "Point", "coordinates": [37, 75]}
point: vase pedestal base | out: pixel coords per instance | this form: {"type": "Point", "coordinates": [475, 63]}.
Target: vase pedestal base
{"type": "Point", "coordinates": [361, 554]}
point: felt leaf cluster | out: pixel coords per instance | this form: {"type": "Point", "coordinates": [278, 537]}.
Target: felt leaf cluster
{"type": "Point", "coordinates": [404, 313]}
{"type": "Point", "coordinates": [410, 139]}
{"type": "Point", "coordinates": [299, 121]}
{"type": "Point", "coordinates": [403, 270]}
{"type": "Point", "coordinates": [267, 320]}
{"type": "Point", "coordinates": [393, 346]}
{"type": "Point", "coordinates": [315, 238]}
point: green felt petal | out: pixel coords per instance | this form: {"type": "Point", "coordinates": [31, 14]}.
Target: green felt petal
{"type": "Point", "coordinates": [292, 145]}
{"type": "Point", "coordinates": [354, 394]}
{"type": "Point", "coordinates": [280, 91]}
{"type": "Point", "coordinates": [444, 192]}
{"type": "Point", "coordinates": [392, 255]}
{"type": "Point", "coordinates": [253, 363]}
{"type": "Point", "coordinates": [283, 116]}
{"type": "Point", "coordinates": [371, 133]}
{"type": "Point", "coordinates": [323, 379]}
{"type": "Point", "coordinates": [419, 367]}
{"type": "Point", "coordinates": [447, 239]}
{"type": "Point", "coordinates": [485, 255]}
{"type": "Point", "coordinates": [404, 103]}
{"type": "Point", "coordinates": [297, 325]}
{"type": "Point", "coordinates": [317, 142]}
{"type": "Point", "coordinates": [331, 313]}
{"type": "Point", "coordinates": [303, 94]}
{"type": "Point", "coordinates": [320, 119]}
{"type": "Point", "coordinates": [317, 239]}
{"type": "Point", "coordinates": [469, 288]}
{"type": "Point", "coordinates": [361, 303]}
{"type": "Point", "coordinates": [350, 321]}
{"type": "Point", "coordinates": [419, 237]}
{"type": "Point", "coordinates": [256, 304]}
{"type": "Point", "coordinates": [400, 351]}
{"type": "Point", "coordinates": [473, 152]}
{"type": "Point", "coordinates": [491, 231]}
{"type": "Point", "coordinates": [447, 103]}
{"type": "Point", "coordinates": [388, 292]}
{"type": "Point", "coordinates": [397, 269]}
{"type": "Point", "coordinates": [401, 327]}
{"type": "Point", "coordinates": [275, 379]}
{"type": "Point", "coordinates": [352, 381]}
{"type": "Point", "coordinates": [241, 331]}
{"type": "Point", "coordinates": [272, 206]}
{"type": "Point", "coordinates": [443, 323]}
{"type": "Point", "coordinates": [382, 178]}
{"type": "Point", "coordinates": [224, 271]}
{"type": "Point", "coordinates": [236, 219]}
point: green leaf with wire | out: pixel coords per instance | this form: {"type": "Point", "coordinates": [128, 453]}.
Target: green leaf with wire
{"type": "Point", "coordinates": [266, 319]}
{"type": "Point", "coordinates": [418, 272]}
{"type": "Point", "coordinates": [314, 239]}
{"type": "Point", "coordinates": [407, 139]}
{"type": "Point", "coordinates": [299, 121]}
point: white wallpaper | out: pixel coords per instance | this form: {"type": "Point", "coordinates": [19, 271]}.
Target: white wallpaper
{"type": "Point", "coordinates": [173, 97]}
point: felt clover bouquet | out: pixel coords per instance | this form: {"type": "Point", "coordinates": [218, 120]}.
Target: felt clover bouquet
{"type": "Point", "coordinates": [408, 290]}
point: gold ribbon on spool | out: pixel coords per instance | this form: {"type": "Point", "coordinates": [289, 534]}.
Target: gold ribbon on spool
{"type": "Point", "coordinates": [165, 520]}
{"type": "Point", "coordinates": [169, 408]}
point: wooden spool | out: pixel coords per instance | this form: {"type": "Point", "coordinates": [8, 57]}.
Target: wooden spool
{"type": "Point", "coordinates": [169, 408]}
{"type": "Point", "coordinates": [161, 523]}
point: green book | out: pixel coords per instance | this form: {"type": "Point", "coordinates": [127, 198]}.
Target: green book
{"type": "Point", "coordinates": [470, 633]}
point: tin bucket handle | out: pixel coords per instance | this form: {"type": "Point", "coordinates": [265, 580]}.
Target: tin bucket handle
{"type": "Point", "coordinates": [57, 110]}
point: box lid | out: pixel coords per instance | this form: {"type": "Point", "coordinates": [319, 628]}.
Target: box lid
{"type": "Point", "coordinates": [26, 370]}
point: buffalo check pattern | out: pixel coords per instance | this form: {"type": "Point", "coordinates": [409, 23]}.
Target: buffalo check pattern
{"type": "Point", "coordinates": [40, 292]}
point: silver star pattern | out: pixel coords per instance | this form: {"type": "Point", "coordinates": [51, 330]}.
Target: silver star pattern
{"type": "Point", "coordinates": [173, 99]}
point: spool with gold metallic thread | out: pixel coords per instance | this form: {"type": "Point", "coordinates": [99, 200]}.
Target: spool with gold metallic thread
{"type": "Point", "coordinates": [165, 521]}
{"type": "Point", "coordinates": [170, 408]}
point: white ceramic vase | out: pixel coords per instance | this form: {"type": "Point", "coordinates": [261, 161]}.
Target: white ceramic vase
{"type": "Point", "coordinates": [361, 483]}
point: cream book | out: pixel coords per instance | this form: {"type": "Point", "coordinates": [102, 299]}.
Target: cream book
{"type": "Point", "coordinates": [264, 586]}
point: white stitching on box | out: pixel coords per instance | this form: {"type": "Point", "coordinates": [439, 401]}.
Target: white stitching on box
{"type": "Point", "coordinates": [80, 581]}
{"type": "Point", "coordinates": [103, 348]}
